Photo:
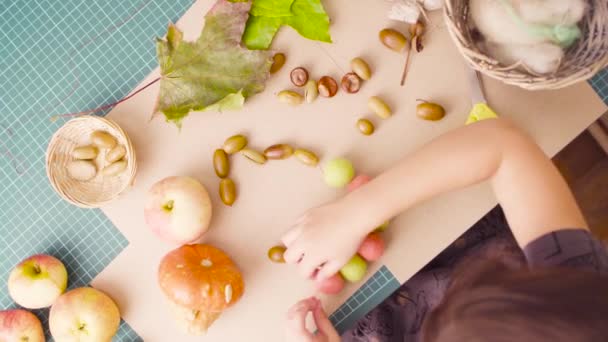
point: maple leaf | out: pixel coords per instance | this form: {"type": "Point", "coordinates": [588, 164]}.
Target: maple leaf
{"type": "Point", "coordinates": [271, 8]}
{"type": "Point", "coordinates": [308, 17]}
{"type": "Point", "coordinates": [214, 72]}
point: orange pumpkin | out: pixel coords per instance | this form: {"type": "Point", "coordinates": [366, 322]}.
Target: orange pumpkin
{"type": "Point", "coordinates": [201, 279]}
{"type": "Point", "coordinates": [193, 322]}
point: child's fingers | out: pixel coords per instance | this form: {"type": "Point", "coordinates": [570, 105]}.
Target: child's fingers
{"type": "Point", "coordinates": [322, 321]}
{"type": "Point", "coordinates": [328, 269]}
{"type": "Point", "coordinates": [293, 254]}
{"type": "Point", "coordinates": [296, 317]}
{"type": "Point", "coordinates": [308, 266]}
{"type": "Point", "coordinates": [301, 219]}
{"type": "Point", "coordinates": [291, 235]}
{"type": "Point", "coordinates": [303, 305]}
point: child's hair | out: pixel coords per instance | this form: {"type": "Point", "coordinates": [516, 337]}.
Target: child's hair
{"type": "Point", "coordinates": [493, 301]}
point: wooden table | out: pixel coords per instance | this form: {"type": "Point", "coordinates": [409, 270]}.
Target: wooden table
{"type": "Point", "coordinates": [271, 196]}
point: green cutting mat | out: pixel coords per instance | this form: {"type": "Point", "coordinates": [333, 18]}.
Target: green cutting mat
{"type": "Point", "coordinates": [600, 84]}
{"type": "Point", "coordinates": [372, 293]}
{"type": "Point", "coordinates": [59, 56]}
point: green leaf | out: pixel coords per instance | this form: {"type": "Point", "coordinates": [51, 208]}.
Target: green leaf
{"type": "Point", "coordinates": [213, 73]}
{"type": "Point", "coordinates": [230, 102]}
{"type": "Point", "coordinates": [260, 31]}
{"type": "Point", "coordinates": [308, 18]}
{"type": "Point", "coordinates": [272, 8]}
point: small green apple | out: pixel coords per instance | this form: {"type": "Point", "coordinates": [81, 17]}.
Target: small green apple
{"type": "Point", "coordinates": [382, 227]}
{"type": "Point", "coordinates": [338, 172]}
{"type": "Point", "coordinates": [355, 269]}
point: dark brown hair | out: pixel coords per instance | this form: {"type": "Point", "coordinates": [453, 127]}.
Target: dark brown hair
{"type": "Point", "coordinates": [495, 302]}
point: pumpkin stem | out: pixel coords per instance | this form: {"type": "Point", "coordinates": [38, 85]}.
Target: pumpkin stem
{"type": "Point", "coordinates": [195, 314]}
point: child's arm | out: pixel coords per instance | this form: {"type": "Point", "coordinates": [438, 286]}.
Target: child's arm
{"type": "Point", "coordinates": [534, 196]}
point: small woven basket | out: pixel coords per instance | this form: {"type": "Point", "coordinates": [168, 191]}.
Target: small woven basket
{"type": "Point", "coordinates": [583, 60]}
{"type": "Point", "coordinates": [101, 189]}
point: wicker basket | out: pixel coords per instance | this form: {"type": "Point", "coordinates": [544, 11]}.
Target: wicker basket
{"type": "Point", "coordinates": [101, 189]}
{"type": "Point", "coordinates": [583, 60]}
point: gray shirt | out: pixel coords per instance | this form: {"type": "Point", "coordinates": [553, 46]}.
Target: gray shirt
{"type": "Point", "coordinates": [400, 317]}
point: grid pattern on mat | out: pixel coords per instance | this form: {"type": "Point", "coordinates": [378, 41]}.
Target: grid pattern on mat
{"type": "Point", "coordinates": [600, 84]}
{"type": "Point", "coordinates": [372, 293]}
{"type": "Point", "coordinates": [60, 56]}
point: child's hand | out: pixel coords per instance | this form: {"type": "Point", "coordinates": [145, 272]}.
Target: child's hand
{"type": "Point", "coordinates": [325, 238]}
{"type": "Point", "coordinates": [296, 323]}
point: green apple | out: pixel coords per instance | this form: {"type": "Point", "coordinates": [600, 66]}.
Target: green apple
{"type": "Point", "coordinates": [85, 315]}
{"type": "Point", "coordinates": [338, 172]}
{"type": "Point", "coordinates": [382, 227]}
{"type": "Point", "coordinates": [37, 281]}
{"type": "Point", "coordinates": [355, 269]}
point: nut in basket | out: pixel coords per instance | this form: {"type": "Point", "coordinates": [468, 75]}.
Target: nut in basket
{"type": "Point", "coordinates": [90, 161]}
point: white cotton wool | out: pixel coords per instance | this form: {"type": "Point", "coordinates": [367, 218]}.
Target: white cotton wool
{"type": "Point", "coordinates": [409, 11]}
{"type": "Point", "coordinates": [543, 58]}
{"type": "Point", "coordinates": [528, 31]}
{"type": "Point", "coordinates": [492, 20]}
{"type": "Point", "coordinates": [551, 12]}
{"type": "Point", "coordinates": [431, 5]}
{"type": "Point", "coordinates": [405, 10]}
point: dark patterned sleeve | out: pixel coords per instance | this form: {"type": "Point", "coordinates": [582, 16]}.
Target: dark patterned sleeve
{"type": "Point", "coordinates": [569, 248]}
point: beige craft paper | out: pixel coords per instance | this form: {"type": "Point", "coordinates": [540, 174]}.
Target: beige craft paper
{"type": "Point", "coordinates": [271, 196]}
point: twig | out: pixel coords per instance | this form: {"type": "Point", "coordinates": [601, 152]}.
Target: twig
{"type": "Point", "coordinates": [416, 31]}
{"type": "Point", "coordinates": [104, 107]}
{"type": "Point", "coordinates": [408, 52]}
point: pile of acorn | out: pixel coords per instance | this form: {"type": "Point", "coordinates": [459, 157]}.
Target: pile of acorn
{"type": "Point", "coordinates": [351, 82]}
{"type": "Point", "coordinates": [239, 144]}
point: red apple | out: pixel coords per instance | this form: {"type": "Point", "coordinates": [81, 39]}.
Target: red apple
{"type": "Point", "coordinates": [372, 247]}
{"type": "Point", "coordinates": [37, 281]}
{"type": "Point", "coordinates": [85, 315]}
{"type": "Point", "coordinates": [20, 325]}
{"type": "Point", "coordinates": [357, 182]}
{"type": "Point", "coordinates": [178, 210]}
{"type": "Point", "coordinates": [331, 285]}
